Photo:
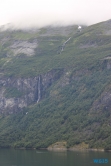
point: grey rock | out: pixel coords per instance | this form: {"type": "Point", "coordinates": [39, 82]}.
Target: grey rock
{"type": "Point", "coordinates": [32, 90]}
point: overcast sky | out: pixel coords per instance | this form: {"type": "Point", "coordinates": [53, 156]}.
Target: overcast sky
{"type": "Point", "coordinates": [44, 12]}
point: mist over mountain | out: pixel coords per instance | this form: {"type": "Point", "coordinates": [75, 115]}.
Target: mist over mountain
{"type": "Point", "coordinates": [35, 13]}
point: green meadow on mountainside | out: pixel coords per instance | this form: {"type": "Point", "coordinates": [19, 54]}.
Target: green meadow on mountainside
{"type": "Point", "coordinates": [76, 107]}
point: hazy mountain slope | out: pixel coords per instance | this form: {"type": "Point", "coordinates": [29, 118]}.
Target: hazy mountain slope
{"type": "Point", "coordinates": [70, 73]}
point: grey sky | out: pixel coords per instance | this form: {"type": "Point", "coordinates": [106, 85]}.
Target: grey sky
{"type": "Point", "coordinates": [26, 13]}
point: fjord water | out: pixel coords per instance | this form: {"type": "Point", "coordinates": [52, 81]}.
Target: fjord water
{"type": "Point", "coordinates": [11, 157]}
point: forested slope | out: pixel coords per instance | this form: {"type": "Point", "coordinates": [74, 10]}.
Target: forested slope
{"type": "Point", "coordinates": [69, 71]}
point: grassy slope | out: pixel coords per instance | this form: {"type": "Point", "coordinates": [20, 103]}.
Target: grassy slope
{"type": "Point", "coordinates": [64, 115]}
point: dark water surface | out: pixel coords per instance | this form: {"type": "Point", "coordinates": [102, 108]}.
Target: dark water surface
{"type": "Point", "coordinates": [11, 157]}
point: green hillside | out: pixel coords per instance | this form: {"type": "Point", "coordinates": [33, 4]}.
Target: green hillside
{"type": "Point", "coordinates": [76, 107]}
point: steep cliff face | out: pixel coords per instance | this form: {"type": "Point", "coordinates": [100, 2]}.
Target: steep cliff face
{"type": "Point", "coordinates": [17, 93]}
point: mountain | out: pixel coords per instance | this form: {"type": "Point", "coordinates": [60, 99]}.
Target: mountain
{"type": "Point", "coordinates": [55, 87]}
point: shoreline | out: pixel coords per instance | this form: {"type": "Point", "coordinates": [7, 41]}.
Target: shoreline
{"type": "Point", "coordinates": [77, 149]}
{"type": "Point", "coordinates": [59, 149]}
{"type": "Point", "coordinates": [65, 149]}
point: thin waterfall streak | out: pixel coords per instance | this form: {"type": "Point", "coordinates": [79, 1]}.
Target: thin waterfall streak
{"type": "Point", "coordinates": [62, 48]}
{"type": "Point", "coordinates": [67, 40]}
{"type": "Point", "coordinates": [39, 92]}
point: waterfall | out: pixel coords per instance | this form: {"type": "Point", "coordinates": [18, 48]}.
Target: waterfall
{"type": "Point", "coordinates": [67, 40]}
{"type": "Point", "coordinates": [39, 92]}
{"type": "Point", "coordinates": [62, 47]}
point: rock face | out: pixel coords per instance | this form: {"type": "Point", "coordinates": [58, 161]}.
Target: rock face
{"type": "Point", "coordinates": [17, 93]}
{"type": "Point", "coordinates": [23, 47]}
{"type": "Point", "coordinates": [15, 47]}
{"type": "Point", "coordinates": [58, 146]}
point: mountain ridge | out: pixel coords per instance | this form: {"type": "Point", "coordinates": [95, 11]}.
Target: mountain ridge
{"type": "Point", "coordinates": [64, 88]}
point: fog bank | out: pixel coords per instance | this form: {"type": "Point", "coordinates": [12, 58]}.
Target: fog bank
{"type": "Point", "coordinates": [36, 13]}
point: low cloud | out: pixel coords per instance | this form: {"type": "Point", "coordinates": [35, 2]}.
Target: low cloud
{"type": "Point", "coordinates": [36, 13]}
